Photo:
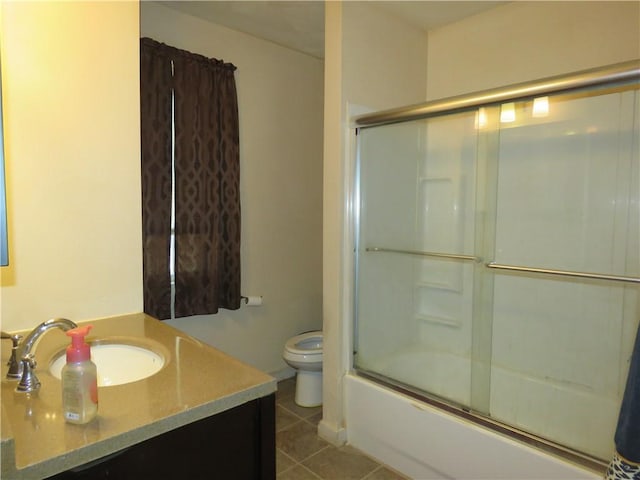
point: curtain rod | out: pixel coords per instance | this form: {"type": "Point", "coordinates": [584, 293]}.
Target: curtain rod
{"type": "Point", "coordinates": [621, 73]}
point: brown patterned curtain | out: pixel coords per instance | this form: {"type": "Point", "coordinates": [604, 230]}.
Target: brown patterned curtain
{"type": "Point", "coordinates": [206, 185]}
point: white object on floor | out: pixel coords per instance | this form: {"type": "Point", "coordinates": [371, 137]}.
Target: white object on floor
{"type": "Point", "coordinates": [304, 353]}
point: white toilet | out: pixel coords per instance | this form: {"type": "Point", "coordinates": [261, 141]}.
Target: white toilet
{"type": "Point", "coordinates": [304, 353]}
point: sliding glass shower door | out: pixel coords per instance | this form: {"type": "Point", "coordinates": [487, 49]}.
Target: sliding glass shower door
{"type": "Point", "coordinates": [498, 254]}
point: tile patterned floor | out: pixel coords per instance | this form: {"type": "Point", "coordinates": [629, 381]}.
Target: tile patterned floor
{"type": "Point", "coordinates": [302, 455]}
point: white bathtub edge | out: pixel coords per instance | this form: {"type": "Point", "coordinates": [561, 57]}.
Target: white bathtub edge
{"type": "Point", "coordinates": [426, 443]}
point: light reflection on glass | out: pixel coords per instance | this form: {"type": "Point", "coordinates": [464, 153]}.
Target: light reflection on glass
{"type": "Point", "coordinates": [508, 112]}
{"type": "Point", "coordinates": [481, 118]}
{"type": "Point", "coordinates": [540, 107]}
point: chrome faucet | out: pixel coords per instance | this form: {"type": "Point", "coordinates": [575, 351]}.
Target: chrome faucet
{"type": "Point", "coordinates": [24, 354]}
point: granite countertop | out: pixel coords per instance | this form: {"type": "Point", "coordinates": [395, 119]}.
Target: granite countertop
{"type": "Point", "coordinates": [196, 381]}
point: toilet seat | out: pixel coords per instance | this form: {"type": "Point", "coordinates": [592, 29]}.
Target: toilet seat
{"type": "Point", "coordinates": [309, 343]}
{"type": "Point", "coordinates": [304, 353]}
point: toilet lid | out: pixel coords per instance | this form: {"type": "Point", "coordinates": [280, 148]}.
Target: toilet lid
{"type": "Point", "coordinates": [307, 343]}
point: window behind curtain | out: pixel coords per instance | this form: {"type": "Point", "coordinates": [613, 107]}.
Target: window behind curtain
{"type": "Point", "coordinates": [190, 152]}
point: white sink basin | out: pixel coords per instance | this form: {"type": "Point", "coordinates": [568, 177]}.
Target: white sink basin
{"type": "Point", "coordinates": [117, 363]}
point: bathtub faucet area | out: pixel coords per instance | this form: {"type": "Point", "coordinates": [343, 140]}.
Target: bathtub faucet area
{"type": "Point", "coordinates": [22, 361]}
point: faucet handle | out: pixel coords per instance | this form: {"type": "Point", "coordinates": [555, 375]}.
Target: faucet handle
{"type": "Point", "coordinates": [15, 368]}
{"type": "Point", "coordinates": [29, 382]}
{"type": "Point", "coordinates": [15, 338]}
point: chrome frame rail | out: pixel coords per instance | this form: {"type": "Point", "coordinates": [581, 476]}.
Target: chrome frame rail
{"type": "Point", "coordinates": [513, 268]}
{"type": "Point", "coordinates": [451, 256]}
{"type": "Point", "coordinates": [564, 273]}
{"type": "Point", "coordinates": [619, 73]}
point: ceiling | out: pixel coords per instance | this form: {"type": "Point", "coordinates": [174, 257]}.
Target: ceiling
{"type": "Point", "coordinates": [300, 24]}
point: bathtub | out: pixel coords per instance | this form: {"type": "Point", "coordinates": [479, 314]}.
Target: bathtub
{"type": "Point", "coordinates": [427, 443]}
{"type": "Point", "coordinates": [573, 414]}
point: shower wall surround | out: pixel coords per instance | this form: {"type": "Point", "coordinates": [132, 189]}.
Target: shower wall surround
{"type": "Point", "coordinates": [453, 207]}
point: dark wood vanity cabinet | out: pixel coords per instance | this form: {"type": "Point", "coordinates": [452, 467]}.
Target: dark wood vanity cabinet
{"type": "Point", "coordinates": [237, 444]}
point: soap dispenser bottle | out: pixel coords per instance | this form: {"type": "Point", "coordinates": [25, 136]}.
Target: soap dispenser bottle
{"type": "Point", "coordinates": [79, 379]}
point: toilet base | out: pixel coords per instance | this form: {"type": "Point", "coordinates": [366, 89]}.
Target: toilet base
{"type": "Point", "coordinates": [308, 388]}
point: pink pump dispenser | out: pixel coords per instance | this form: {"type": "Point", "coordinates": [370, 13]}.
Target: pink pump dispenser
{"type": "Point", "coordinates": [79, 379]}
{"type": "Point", "coordinates": [79, 350]}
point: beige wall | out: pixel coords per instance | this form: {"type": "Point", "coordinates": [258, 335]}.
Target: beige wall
{"type": "Point", "coordinates": [523, 41]}
{"type": "Point", "coordinates": [280, 96]}
{"type": "Point", "coordinates": [71, 92]}
{"type": "Point", "coordinates": [363, 70]}
{"type": "Point", "coordinates": [384, 59]}
{"type": "Point", "coordinates": [72, 149]}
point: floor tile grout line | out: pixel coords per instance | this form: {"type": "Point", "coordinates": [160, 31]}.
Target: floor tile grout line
{"type": "Point", "coordinates": [312, 455]}
{"type": "Point", "coordinates": [316, 453]}
{"type": "Point", "coordinates": [293, 424]}
{"type": "Point", "coordinates": [292, 412]}
{"type": "Point", "coordinates": [313, 424]}
{"type": "Point", "coordinates": [296, 415]}
{"type": "Point", "coordinates": [378, 466]}
{"type": "Point", "coordinates": [370, 474]}
{"type": "Point", "coordinates": [311, 471]}
{"type": "Point", "coordinates": [278, 430]}
{"type": "Point", "coordinates": [300, 463]}
{"type": "Point", "coordinates": [280, 401]}
{"type": "Point", "coordinates": [308, 470]}
{"type": "Point", "coordinates": [326, 446]}
{"type": "Point", "coordinates": [295, 462]}
{"type": "Point", "coordinates": [287, 455]}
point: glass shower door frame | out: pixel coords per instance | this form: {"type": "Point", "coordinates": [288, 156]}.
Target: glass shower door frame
{"type": "Point", "coordinates": [485, 269]}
